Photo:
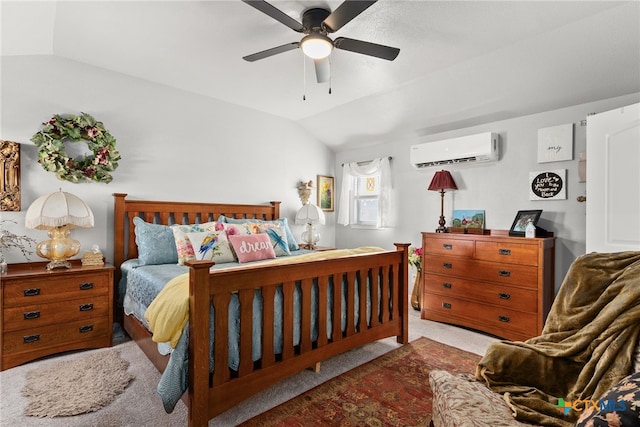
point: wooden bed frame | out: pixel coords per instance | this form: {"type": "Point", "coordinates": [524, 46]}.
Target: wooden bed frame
{"type": "Point", "coordinates": [210, 394]}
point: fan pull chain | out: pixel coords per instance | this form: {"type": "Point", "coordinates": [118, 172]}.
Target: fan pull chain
{"type": "Point", "coordinates": [304, 78]}
{"type": "Point", "coordinates": [330, 74]}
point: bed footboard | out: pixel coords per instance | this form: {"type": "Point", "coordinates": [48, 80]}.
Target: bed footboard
{"type": "Point", "coordinates": [380, 278]}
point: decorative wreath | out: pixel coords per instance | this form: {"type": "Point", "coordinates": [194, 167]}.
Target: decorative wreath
{"type": "Point", "coordinates": [53, 158]}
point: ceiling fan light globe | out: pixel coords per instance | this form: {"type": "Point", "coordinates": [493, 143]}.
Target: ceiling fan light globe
{"type": "Point", "coordinates": [316, 46]}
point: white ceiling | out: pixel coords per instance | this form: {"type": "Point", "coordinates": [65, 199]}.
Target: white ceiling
{"type": "Point", "coordinates": [461, 62]}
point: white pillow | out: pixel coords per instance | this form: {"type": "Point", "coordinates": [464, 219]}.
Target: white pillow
{"type": "Point", "coordinates": [211, 245]}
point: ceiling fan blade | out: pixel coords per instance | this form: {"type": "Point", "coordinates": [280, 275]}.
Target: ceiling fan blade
{"type": "Point", "coordinates": [270, 52]}
{"type": "Point", "coordinates": [275, 13]}
{"type": "Point", "coordinates": [348, 10]}
{"type": "Point", "coordinates": [323, 69]}
{"type": "Point", "coordinates": [366, 48]}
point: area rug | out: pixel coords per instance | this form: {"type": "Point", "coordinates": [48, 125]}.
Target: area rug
{"type": "Point", "coordinates": [76, 386]}
{"type": "Point", "coordinates": [391, 390]}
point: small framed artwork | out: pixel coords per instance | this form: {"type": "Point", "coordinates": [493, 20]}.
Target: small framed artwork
{"type": "Point", "coordinates": [326, 193]}
{"type": "Point", "coordinates": [555, 144]}
{"type": "Point", "coordinates": [522, 219]}
{"type": "Point", "coordinates": [468, 219]}
{"type": "Point", "coordinates": [548, 185]}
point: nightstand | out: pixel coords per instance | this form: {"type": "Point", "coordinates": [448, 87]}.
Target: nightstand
{"type": "Point", "coordinates": [317, 248]}
{"type": "Point", "coordinates": [44, 312]}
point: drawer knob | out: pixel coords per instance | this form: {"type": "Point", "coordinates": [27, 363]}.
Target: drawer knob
{"type": "Point", "coordinates": [447, 265]}
{"type": "Point", "coordinates": [504, 273]}
{"type": "Point", "coordinates": [31, 315]}
{"type": "Point", "coordinates": [504, 319]}
{"type": "Point", "coordinates": [447, 246]}
{"type": "Point", "coordinates": [446, 305]}
{"type": "Point", "coordinates": [85, 286]}
{"type": "Point", "coordinates": [31, 292]}
{"type": "Point", "coordinates": [504, 251]}
{"type": "Point", "coordinates": [446, 285]}
{"type": "Point", "coordinates": [86, 328]}
{"type": "Point", "coordinates": [504, 295]}
{"type": "Point", "coordinates": [86, 307]}
{"type": "Point", "coordinates": [31, 338]}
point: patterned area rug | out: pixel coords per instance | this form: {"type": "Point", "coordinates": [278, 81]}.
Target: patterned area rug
{"type": "Point", "coordinates": [392, 390]}
{"type": "Point", "coordinates": [76, 386]}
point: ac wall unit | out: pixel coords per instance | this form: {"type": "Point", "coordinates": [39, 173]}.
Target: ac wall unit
{"type": "Point", "coordinates": [483, 147]}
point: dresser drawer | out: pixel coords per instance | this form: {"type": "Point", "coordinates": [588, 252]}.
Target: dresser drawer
{"type": "Point", "coordinates": [35, 315]}
{"type": "Point", "coordinates": [40, 337]}
{"type": "Point", "coordinates": [479, 316]}
{"type": "Point", "coordinates": [499, 295]}
{"type": "Point", "coordinates": [510, 274]}
{"type": "Point", "coordinates": [447, 246]}
{"type": "Point", "coordinates": [506, 252]}
{"type": "Point", "coordinates": [37, 290]}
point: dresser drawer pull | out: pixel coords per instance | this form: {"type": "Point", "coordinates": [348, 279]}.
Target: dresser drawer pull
{"type": "Point", "coordinates": [446, 305]}
{"type": "Point", "coordinates": [86, 286]}
{"type": "Point", "coordinates": [446, 285]}
{"type": "Point", "coordinates": [504, 251]}
{"type": "Point", "coordinates": [504, 273]}
{"type": "Point", "coordinates": [86, 328]}
{"type": "Point", "coordinates": [447, 265]}
{"type": "Point", "coordinates": [447, 246]}
{"type": "Point", "coordinates": [31, 315]}
{"type": "Point", "coordinates": [86, 307]}
{"type": "Point", "coordinates": [504, 295]}
{"type": "Point", "coordinates": [31, 292]}
{"type": "Point", "coordinates": [504, 319]}
{"type": "Point", "coordinates": [31, 338]}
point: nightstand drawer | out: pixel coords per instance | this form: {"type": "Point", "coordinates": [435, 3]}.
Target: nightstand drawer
{"type": "Point", "coordinates": [54, 335]}
{"type": "Point", "coordinates": [34, 315]}
{"type": "Point", "coordinates": [37, 290]}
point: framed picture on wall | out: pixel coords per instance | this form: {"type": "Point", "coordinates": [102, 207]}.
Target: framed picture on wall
{"type": "Point", "coordinates": [326, 193]}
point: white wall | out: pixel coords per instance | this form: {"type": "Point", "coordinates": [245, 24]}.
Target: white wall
{"type": "Point", "coordinates": [174, 145]}
{"type": "Point", "coordinates": [501, 189]}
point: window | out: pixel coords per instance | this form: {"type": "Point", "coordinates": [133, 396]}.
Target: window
{"type": "Point", "coordinates": [365, 196]}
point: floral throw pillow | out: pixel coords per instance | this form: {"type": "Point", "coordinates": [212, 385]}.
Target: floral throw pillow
{"type": "Point", "coordinates": [211, 245]}
{"type": "Point", "coordinates": [252, 247]}
{"type": "Point", "coordinates": [620, 406]}
{"type": "Point", "coordinates": [182, 242]}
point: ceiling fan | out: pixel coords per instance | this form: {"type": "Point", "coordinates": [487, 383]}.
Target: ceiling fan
{"type": "Point", "coordinates": [316, 44]}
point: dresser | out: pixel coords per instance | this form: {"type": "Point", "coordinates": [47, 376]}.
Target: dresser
{"type": "Point", "coordinates": [45, 312]}
{"type": "Point", "coordinates": [490, 282]}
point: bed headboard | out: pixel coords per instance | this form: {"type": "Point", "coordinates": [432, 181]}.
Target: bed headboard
{"type": "Point", "coordinates": [169, 213]}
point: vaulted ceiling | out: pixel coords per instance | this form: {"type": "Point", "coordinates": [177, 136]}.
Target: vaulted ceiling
{"type": "Point", "coordinates": [461, 63]}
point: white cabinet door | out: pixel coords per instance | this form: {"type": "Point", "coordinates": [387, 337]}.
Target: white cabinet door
{"type": "Point", "coordinates": [613, 180]}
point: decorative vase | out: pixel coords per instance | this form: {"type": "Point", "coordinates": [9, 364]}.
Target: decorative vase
{"type": "Point", "coordinates": [417, 290]}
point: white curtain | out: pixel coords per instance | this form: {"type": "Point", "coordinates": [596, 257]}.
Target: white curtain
{"type": "Point", "coordinates": [350, 172]}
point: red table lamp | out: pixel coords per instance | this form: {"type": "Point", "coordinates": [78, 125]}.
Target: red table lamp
{"type": "Point", "coordinates": [441, 181]}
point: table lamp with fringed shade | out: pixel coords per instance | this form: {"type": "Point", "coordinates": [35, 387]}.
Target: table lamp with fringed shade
{"type": "Point", "coordinates": [442, 180]}
{"type": "Point", "coordinates": [58, 213]}
{"type": "Point", "coordinates": [310, 215]}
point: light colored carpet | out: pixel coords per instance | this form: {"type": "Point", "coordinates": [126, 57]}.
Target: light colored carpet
{"type": "Point", "coordinates": [77, 386]}
{"type": "Point", "coordinates": [139, 405]}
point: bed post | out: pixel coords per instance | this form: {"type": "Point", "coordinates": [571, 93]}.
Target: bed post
{"type": "Point", "coordinates": [118, 249]}
{"type": "Point", "coordinates": [403, 338]}
{"type": "Point", "coordinates": [198, 342]}
{"type": "Point", "coordinates": [276, 209]}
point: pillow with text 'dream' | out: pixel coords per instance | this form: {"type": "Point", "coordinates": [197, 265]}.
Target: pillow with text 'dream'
{"type": "Point", "coordinates": [252, 247]}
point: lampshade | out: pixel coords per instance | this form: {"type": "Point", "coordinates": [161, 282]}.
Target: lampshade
{"type": "Point", "coordinates": [442, 180]}
{"type": "Point", "coordinates": [310, 214]}
{"type": "Point", "coordinates": [58, 209]}
{"type": "Point", "coordinates": [58, 213]}
{"type": "Point", "coordinates": [316, 46]}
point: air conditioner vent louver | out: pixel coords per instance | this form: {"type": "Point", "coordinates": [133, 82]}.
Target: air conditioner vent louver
{"type": "Point", "coordinates": [482, 147]}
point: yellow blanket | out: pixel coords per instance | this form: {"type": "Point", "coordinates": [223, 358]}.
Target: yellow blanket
{"type": "Point", "coordinates": [168, 313]}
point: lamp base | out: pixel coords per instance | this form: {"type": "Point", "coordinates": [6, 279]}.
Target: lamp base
{"type": "Point", "coordinates": [59, 248]}
{"type": "Point", "coordinates": [58, 264]}
{"type": "Point", "coordinates": [310, 237]}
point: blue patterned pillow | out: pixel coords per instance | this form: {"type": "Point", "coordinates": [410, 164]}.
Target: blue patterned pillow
{"type": "Point", "coordinates": [284, 222]}
{"type": "Point", "coordinates": [156, 244]}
